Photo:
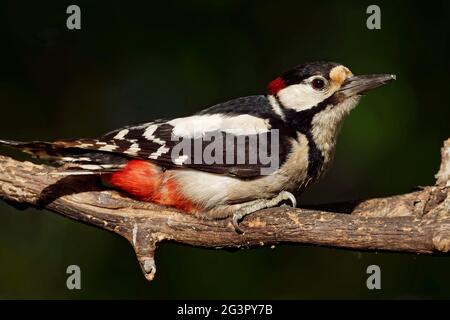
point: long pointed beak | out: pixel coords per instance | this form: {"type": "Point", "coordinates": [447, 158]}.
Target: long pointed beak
{"type": "Point", "coordinates": [361, 84]}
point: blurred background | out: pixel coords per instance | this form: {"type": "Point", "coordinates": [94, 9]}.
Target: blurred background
{"type": "Point", "coordinates": [135, 61]}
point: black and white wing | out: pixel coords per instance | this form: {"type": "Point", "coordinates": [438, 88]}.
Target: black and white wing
{"type": "Point", "coordinates": [227, 139]}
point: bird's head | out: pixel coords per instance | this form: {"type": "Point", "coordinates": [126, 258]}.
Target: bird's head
{"type": "Point", "coordinates": [323, 87]}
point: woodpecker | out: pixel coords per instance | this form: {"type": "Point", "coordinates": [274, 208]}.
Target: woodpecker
{"type": "Point", "coordinates": [301, 115]}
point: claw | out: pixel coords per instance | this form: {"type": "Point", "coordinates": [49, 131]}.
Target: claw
{"type": "Point", "coordinates": [235, 222]}
{"type": "Point", "coordinates": [261, 204]}
{"type": "Point", "coordinates": [291, 197]}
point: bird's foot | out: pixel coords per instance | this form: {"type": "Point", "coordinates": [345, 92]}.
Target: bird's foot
{"type": "Point", "coordinates": [256, 205]}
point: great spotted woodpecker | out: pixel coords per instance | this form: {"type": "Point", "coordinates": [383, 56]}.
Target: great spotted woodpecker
{"type": "Point", "coordinates": [301, 117]}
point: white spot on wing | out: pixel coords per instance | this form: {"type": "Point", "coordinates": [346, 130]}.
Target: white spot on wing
{"type": "Point", "coordinates": [72, 159]}
{"type": "Point", "coordinates": [68, 159]}
{"type": "Point", "coordinates": [85, 145]}
{"type": "Point", "coordinates": [148, 134]}
{"type": "Point", "coordinates": [133, 149]}
{"type": "Point", "coordinates": [108, 148]}
{"type": "Point", "coordinates": [121, 134]}
{"type": "Point", "coordinates": [159, 152]}
{"type": "Point", "coordinates": [150, 130]}
{"type": "Point", "coordinates": [70, 173]}
{"type": "Point", "coordinates": [90, 167]}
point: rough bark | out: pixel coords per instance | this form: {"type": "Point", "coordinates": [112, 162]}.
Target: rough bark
{"type": "Point", "coordinates": [417, 222]}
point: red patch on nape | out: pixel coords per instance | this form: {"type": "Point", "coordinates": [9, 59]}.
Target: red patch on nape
{"type": "Point", "coordinates": [276, 85]}
{"type": "Point", "coordinates": [146, 182]}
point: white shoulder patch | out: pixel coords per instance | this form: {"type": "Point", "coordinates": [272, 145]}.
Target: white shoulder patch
{"type": "Point", "coordinates": [197, 126]}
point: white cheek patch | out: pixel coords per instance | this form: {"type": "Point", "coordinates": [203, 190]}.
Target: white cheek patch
{"type": "Point", "coordinates": [302, 96]}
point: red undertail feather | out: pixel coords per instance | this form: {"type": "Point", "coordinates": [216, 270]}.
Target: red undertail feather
{"type": "Point", "coordinates": [147, 182]}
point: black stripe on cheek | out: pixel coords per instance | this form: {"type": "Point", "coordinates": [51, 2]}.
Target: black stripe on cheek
{"type": "Point", "coordinates": [277, 98]}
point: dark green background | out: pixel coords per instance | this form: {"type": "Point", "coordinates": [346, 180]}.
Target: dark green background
{"type": "Point", "coordinates": [136, 61]}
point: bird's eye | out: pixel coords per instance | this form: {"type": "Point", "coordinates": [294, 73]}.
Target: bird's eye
{"type": "Point", "coordinates": [318, 83]}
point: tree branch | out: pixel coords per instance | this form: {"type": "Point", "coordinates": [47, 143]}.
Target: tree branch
{"type": "Point", "coordinates": [415, 222]}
